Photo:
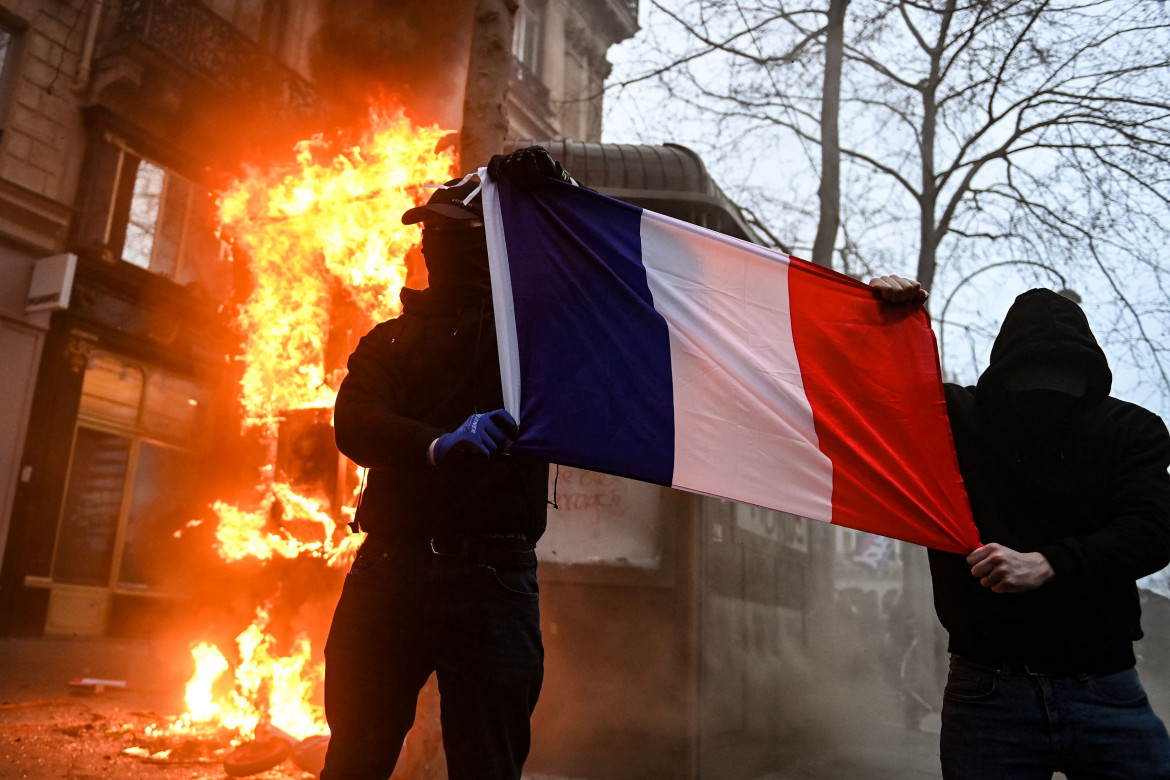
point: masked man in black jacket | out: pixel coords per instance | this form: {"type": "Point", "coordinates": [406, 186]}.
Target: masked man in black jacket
{"type": "Point", "coordinates": [1070, 492]}
{"type": "Point", "coordinates": [446, 580]}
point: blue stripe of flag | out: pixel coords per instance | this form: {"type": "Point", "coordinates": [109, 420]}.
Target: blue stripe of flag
{"type": "Point", "coordinates": [594, 355]}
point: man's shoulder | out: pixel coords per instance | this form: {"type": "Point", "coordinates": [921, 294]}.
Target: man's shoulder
{"type": "Point", "coordinates": [959, 398]}
{"type": "Point", "coordinates": [1127, 416]}
{"type": "Point", "coordinates": [959, 391]}
{"type": "Point", "coordinates": [380, 343]}
{"type": "Point", "coordinates": [387, 329]}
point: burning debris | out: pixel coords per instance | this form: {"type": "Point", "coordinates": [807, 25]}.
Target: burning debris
{"type": "Point", "coordinates": [326, 255]}
{"type": "Point", "coordinates": [325, 228]}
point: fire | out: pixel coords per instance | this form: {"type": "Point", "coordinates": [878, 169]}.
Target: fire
{"type": "Point", "coordinates": [322, 228]}
{"type": "Point", "coordinates": [305, 530]}
{"type": "Point", "coordinates": [322, 238]}
{"type": "Point", "coordinates": [209, 665]}
{"type": "Point", "coordinates": [266, 687]}
{"type": "Point", "coordinates": [328, 222]}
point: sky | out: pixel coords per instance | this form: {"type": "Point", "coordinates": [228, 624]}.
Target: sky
{"type": "Point", "coordinates": [748, 169]}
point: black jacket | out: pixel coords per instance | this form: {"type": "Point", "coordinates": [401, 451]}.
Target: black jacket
{"type": "Point", "coordinates": [412, 379]}
{"type": "Point", "coordinates": [1091, 493]}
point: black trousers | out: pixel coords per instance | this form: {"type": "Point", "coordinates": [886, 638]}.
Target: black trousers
{"type": "Point", "coordinates": [470, 614]}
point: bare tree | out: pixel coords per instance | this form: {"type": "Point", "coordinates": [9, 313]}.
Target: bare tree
{"type": "Point", "coordinates": [1040, 131]}
{"type": "Point", "coordinates": [743, 37]}
{"type": "Point", "coordinates": [485, 121]}
{"type": "Point", "coordinates": [1034, 131]}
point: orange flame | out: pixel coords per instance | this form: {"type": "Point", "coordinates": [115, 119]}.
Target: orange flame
{"type": "Point", "coordinates": [266, 688]}
{"type": "Point", "coordinates": [328, 223]}
{"type": "Point", "coordinates": [317, 226]}
{"type": "Point", "coordinates": [307, 530]}
{"type": "Point", "coordinates": [324, 227]}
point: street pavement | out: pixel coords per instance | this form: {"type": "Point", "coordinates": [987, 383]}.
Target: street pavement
{"type": "Point", "coordinates": [49, 729]}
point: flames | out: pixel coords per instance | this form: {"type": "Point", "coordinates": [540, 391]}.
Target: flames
{"type": "Point", "coordinates": [328, 224]}
{"type": "Point", "coordinates": [266, 686]}
{"type": "Point", "coordinates": [321, 237]}
{"type": "Point", "coordinates": [244, 534]}
{"type": "Point", "coordinates": [324, 244]}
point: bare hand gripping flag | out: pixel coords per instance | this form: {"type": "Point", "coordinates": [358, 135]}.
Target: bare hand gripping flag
{"type": "Point", "coordinates": [638, 345]}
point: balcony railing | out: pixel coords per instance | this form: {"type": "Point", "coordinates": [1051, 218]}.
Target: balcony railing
{"type": "Point", "coordinates": [197, 39]}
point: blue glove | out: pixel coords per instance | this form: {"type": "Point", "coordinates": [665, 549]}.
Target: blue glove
{"type": "Point", "coordinates": [479, 437]}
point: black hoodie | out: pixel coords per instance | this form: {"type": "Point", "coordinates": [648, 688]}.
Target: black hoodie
{"type": "Point", "coordinates": [414, 378]}
{"type": "Point", "coordinates": [1088, 488]}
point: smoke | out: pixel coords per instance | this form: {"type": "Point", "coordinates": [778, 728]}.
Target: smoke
{"type": "Point", "coordinates": [634, 688]}
{"type": "Point", "coordinates": [415, 51]}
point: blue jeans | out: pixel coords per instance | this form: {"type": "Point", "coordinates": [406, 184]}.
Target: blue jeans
{"type": "Point", "coordinates": [1012, 724]}
{"type": "Point", "coordinates": [405, 613]}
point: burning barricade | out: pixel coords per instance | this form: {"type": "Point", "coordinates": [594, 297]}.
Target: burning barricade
{"type": "Point", "coordinates": [326, 255]}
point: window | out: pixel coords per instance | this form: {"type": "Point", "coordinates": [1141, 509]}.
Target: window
{"type": "Point", "coordinates": [130, 493]}
{"type": "Point", "coordinates": [112, 390]}
{"type": "Point", "coordinates": [528, 35]}
{"type": "Point", "coordinates": [9, 43]}
{"type": "Point", "coordinates": [170, 228]}
{"type": "Point", "coordinates": [160, 505]}
{"type": "Point", "coordinates": [93, 503]}
{"type": "Point", "coordinates": [137, 210]}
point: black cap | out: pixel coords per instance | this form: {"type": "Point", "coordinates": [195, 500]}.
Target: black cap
{"type": "Point", "coordinates": [457, 199]}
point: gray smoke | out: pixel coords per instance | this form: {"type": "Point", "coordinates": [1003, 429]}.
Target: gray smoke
{"type": "Point", "coordinates": [413, 50]}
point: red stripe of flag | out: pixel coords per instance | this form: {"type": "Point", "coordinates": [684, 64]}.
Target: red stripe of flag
{"type": "Point", "coordinates": [871, 374]}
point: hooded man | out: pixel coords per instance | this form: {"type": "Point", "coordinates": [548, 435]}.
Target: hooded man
{"type": "Point", "coordinates": [1070, 492]}
{"type": "Point", "coordinates": [445, 581]}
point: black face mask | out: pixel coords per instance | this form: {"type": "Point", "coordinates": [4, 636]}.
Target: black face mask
{"type": "Point", "coordinates": [457, 260]}
{"type": "Point", "coordinates": [1043, 408]}
{"type": "Point", "coordinates": [1035, 420]}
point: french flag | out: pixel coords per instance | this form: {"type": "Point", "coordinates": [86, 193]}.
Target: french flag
{"type": "Point", "coordinates": [638, 345]}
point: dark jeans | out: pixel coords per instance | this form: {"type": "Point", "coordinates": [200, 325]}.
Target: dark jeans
{"type": "Point", "coordinates": [1009, 724]}
{"type": "Point", "coordinates": [405, 613]}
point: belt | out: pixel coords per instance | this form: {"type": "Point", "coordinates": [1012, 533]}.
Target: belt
{"type": "Point", "coordinates": [1008, 668]}
{"type": "Point", "coordinates": [503, 550]}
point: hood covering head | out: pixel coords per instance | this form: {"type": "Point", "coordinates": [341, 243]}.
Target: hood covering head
{"type": "Point", "coordinates": [1045, 344]}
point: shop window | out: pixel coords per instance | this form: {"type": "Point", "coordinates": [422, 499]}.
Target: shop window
{"type": "Point", "coordinates": [160, 506]}
{"type": "Point", "coordinates": [111, 390]}
{"type": "Point", "coordinates": [151, 400]}
{"type": "Point", "coordinates": [130, 489]}
{"type": "Point", "coordinates": [173, 405]}
{"type": "Point", "coordinates": [93, 504]}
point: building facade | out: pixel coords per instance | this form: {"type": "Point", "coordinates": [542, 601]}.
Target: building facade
{"type": "Point", "coordinates": [117, 122]}
{"type": "Point", "coordinates": [677, 626]}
